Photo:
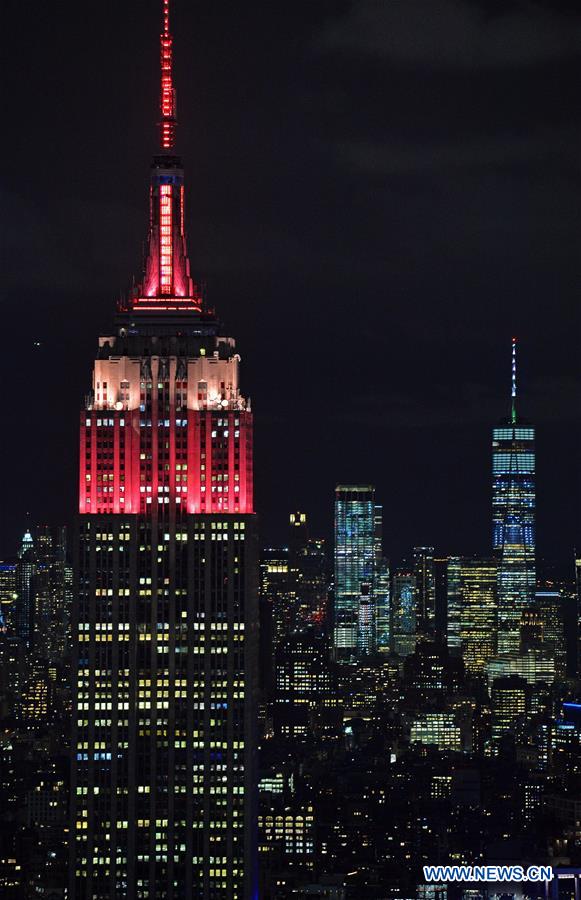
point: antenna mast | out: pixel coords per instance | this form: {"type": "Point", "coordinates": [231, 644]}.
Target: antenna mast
{"type": "Point", "coordinates": [513, 385]}
{"type": "Point", "coordinates": [168, 92]}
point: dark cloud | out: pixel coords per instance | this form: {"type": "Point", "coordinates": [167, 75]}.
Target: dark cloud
{"type": "Point", "coordinates": [554, 398]}
{"type": "Point", "coordinates": [455, 33]}
{"type": "Point", "coordinates": [393, 158]}
{"type": "Point", "coordinates": [379, 195]}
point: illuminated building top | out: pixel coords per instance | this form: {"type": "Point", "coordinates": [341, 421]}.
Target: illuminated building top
{"type": "Point", "coordinates": [166, 422]}
{"type": "Point", "coordinates": [166, 284]}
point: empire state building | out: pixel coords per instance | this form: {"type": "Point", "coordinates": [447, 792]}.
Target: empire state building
{"type": "Point", "coordinates": [165, 624]}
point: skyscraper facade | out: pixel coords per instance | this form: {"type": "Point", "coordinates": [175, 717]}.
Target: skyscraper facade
{"type": "Point", "coordinates": [454, 604]}
{"type": "Point", "coordinates": [381, 588]}
{"type": "Point", "coordinates": [355, 560]}
{"type": "Point", "coordinates": [513, 513]}
{"type": "Point", "coordinates": [404, 632]}
{"type": "Point", "coordinates": [165, 610]}
{"type": "Point", "coordinates": [478, 579]}
{"type": "Point", "coordinates": [308, 571]}
{"type": "Point", "coordinates": [423, 562]}
{"type": "Point", "coordinates": [52, 593]}
{"type": "Point", "coordinates": [441, 596]}
{"type": "Point", "coordinates": [8, 596]}
{"type": "Point", "coordinates": [24, 624]}
{"type": "Point", "coordinates": [383, 605]}
{"type": "Point", "coordinates": [551, 611]}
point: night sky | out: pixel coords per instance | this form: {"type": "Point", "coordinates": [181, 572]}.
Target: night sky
{"type": "Point", "coordinates": [380, 194]}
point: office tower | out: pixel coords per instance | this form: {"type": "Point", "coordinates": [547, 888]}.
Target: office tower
{"type": "Point", "coordinates": [381, 587]}
{"type": "Point", "coordinates": [575, 653]}
{"type": "Point", "coordinates": [430, 674]}
{"type": "Point", "coordinates": [441, 596]}
{"type": "Point", "coordinates": [286, 827]}
{"type": "Point", "coordinates": [438, 729]}
{"type": "Point", "coordinates": [566, 740]}
{"type": "Point", "coordinates": [531, 630]}
{"type": "Point", "coordinates": [303, 683]}
{"type": "Point", "coordinates": [277, 591]}
{"type": "Point", "coordinates": [53, 593]}
{"type": "Point", "coordinates": [454, 603]}
{"type": "Point", "coordinates": [549, 606]}
{"type": "Point", "coordinates": [513, 514]}
{"type": "Point", "coordinates": [36, 701]}
{"type": "Point", "coordinates": [403, 612]}
{"type": "Point", "coordinates": [475, 610]}
{"type": "Point", "coordinates": [366, 631]}
{"type": "Point", "coordinates": [298, 531]}
{"type": "Point", "coordinates": [163, 783]}
{"type": "Point", "coordinates": [423, 565]}
{"type": "Point", "coordinates": [355, 560]}
{"type": "Point", "coordinates": [8, 596]}
{"type": "Point", "coordinates": [509, 702]}
{"type": "Point", "coordinates": [383, 606]}
{"type": "Point", "coordinates": [307, 560]}
{"type": "Point", "coordinates": [13, 675]}
{"type": "Point", "coordinates": [534, 666]}
{"type": "Point", "coordinates": [313, 587]}
{"type": "Point", "coordinates": [25, 571]}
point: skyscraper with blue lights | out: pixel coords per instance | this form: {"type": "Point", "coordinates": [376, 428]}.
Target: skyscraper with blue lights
{"type": "Point", "coordinates": [513, 514]}
{"type": "Point", "coordinates": [356, 558]}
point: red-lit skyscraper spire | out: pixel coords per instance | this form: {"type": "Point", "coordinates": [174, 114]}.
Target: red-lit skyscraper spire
{"type": "Point", "coordinates": [166, 283]}
{"type": "Point", "coordinates": [168, 92]}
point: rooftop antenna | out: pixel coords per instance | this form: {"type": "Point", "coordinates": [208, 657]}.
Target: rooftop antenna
{"type": "Point", "coordinates": [168, 93]}
{"type": "Point", "coordinates": [513, 384]}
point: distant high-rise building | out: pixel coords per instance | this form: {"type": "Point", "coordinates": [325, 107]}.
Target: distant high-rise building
{"type": "Point", "coordinates": [277, 589]}
{"type": "Point", "coordinates": [509, 702]}
{"type": "Point", "coordinates": [454, 603]}
{"type": "Point", "coordinates": [303, 682]}
{"type": "Point", "coordinates": [430, 674]}
{"type": "Point", "coordinates": [441, 596]}
{"type": "Point", "coordinates": [403, 612]}
{"type": "Point", "coordinates": [355, 560]}
{"type": "Point", "coordinates": [382, 596]}
{"type": "Point", "coordinates": [366, 630]}
{"type": "Point", "coordinates": [381, 587]}
{"type": "Point", "coordinates": [52, 593]}
{"type": "Point", "coordinates": [308, 572]}
{"type": "Point", "coordinates": [423, 564]}
{"type": "Point", "coordinates": [25, 571]}
{"type": "Point", "coordinates": [576, 651]}
{"type": "Point", "coordinates": [531, 630]}
{"type": "Point", "coordinates": [513, 513]}
{"type": "Point", "coordinates": [549, 606]}
{"type": "Point", "coordinates": [534, 666]}
{"type": "Point", "coordinates": [437, 729]}
{"type": "Point", "coordinates": [472, 610]}
{"type": "Point", "coordinates": [8, 596]}
{"type": "Point", "coordinates": [298, 533]}
{"type": "Point", "coordinates": [163, 787]}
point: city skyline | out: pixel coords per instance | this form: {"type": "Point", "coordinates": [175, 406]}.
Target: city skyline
{"type": "Point", "coordinates": [434, 378]}
{"type": "Point", "coordinates": [190, 706]}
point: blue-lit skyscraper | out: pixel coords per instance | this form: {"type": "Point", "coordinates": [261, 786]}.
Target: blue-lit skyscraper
{"type": "Point", "coordinates": [513, 514]}
{"type": "Point", "coordinates": [356, 558]}
{"type": "Point", "coordinates": [404, 617]}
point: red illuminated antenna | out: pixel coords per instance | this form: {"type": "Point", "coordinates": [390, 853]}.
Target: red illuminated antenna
{"type": "Point", "coordinates": [168, 94]}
